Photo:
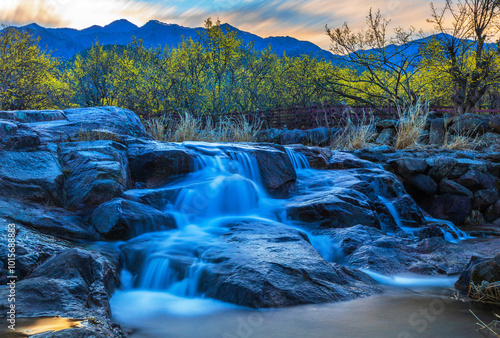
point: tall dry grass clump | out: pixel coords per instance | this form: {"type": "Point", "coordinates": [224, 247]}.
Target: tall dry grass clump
{"type": "Point", "coordinates": [356, 134]}
{"type": "Point", "coordinates": [412, 120]}
{"type": "Point", "coordinates": [193, 128]}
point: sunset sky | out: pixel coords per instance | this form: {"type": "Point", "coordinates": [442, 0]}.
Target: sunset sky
{"type": "Point", "coordinates": [301, 19]}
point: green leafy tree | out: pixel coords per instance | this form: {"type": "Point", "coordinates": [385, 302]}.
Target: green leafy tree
{"type": "Point", "coordinates": [94, 76]}
{"type": "Point", "coordinates": [29, 77]}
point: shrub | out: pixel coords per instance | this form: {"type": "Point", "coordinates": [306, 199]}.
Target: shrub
{"type": "Point", "coordinates": [412, 120]}
{"type": "Point", "coordinates": [355, 135]}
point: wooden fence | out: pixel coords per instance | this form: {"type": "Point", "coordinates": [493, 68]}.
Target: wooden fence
{"type": "Point", "coordinates": [324, 116]}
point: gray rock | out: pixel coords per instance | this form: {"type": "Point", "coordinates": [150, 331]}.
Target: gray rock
{"type": "Point", "coordinates": [469, 124]}
{"type": "Point", "coordinates": [386, 136]}
{"type": "Point", "coordinates": [108, 121]}
{"type": "Point", "coordinates": [31, 175]}
{"type": "Point", "coordinates": [453, 208]}
{"type": "Point", "coordinates": [96, 172]}
{"type": "Point", "coordinates": [318, 136]}
{"type": "Point", "coordinates": [478, 270]}
{"type": "Point", "coordinates": [475, 180]}
{"type": "Point", "coordinates": [29, 116]}
{"type": "Point", "coordinates": [276, 169]}
{"type": "Point", "coordinates": [269, 135]}
{"type": "Point", "coordinates": [271, 265]}
{"type": "Point", "coordinates": [484, 198]}
{"type": "Point", "coordinates": [385, 124]}
{"type": "Point", "coordinates": [73, 284]}
{"type": "Point", "coordinates": [441, 167]}
{"type": "Point", "coordinates": [17, 136]}
{"type": "Point", "coordinates": [152, 164]}
{"type": "Point", "coordinates": [450, 187]}
{"type": "Point", "coordinates": [120, 219]}
{"type": "Point", "coordinates": [293, 137]}
{"type": "Point", "coordinates": [54, 221]}
{"type": "Point", "coordinates": [421, 185]}
{"type": "Point", "coordinates": [437, 132]}
{"type": "Point", "coordinates": [337, 208]}
{"type": "Point", "coordinates": [407, 167]}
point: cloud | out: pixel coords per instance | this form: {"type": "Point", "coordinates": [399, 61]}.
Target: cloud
{"type": "Point", "coordinates": [301, 19]}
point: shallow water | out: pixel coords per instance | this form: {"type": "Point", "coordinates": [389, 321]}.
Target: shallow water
{"type": "Point", "coordinates": [399, 312]}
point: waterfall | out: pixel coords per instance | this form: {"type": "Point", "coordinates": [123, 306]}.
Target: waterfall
{"type": "Point", "coordinates": [327, 247]}
{"type": "Point", "coordinates": [247, 166]}
{"type": "Point", "coordinates": [299, 161]}
{"type": "Point", "coordinates": [450, 231]}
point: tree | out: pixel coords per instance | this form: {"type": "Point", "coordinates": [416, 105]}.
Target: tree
{"type": "Point", "coordinates": [463, 49]}
{"type": "Point", "coordinates": [29, 77]}
{"type": "Point", "coordinates": [379, 68]}
{"type": "Point", "coordinates": [94, 76]}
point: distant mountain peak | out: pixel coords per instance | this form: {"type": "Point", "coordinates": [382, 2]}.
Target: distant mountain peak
{"type": "Point", "coordinates": [33, 25]}
{"type": "Point", "coordinates": [120, 26]}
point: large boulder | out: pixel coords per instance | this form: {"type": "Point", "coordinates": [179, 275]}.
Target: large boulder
{"type": "Point", "coordinates": [479, 270]}
{"type": "Point", "coordinates": [407, 166]}
{"type": "Point", "coordinates": [17, 136]}
{"type": "Point", "coordinates": [32, 248]}
{"type": "Point", "coordinates": [269, 135]}
{"type": "Point", "coordinates": [293, 137]}
{"type": "Point", "coordinates": [493, 212]}
{"type": "Point", "coordinates": [450, 187]}
{"type": "Point", "coordinates": [73, 284]}
{"type": "Point", "coordinates": [30, 116]}
{"type": "Point", "coordinates": [94, 123]}
{"type": "Point", "coordinates": [262, 264]}
{"type": "Point", "coordinates": [120, 219]}
{"type": "Point", "coordinates": [318, 136]}
{"type": "Point", "coordinates": [337, 208]}
{"type": "Point", "coordinates": [31, 175]}
{"type": "Point", "coordinates": [484, 198]}
{"type": "Point", "coordinates": [476, 180]}
{"type": "Point", "coordinates": [453, 208]}
{"type": "Point", "coordinates": [421, 185]}
{"type": "Point", "coordinates": [469, 124]}
{"type": "Point", "coordinates": [54, 221]}
{"type": "Point", "coordinates": [386, 136]}
{"type": "Point", "coordinates": [96, 172]}
{"type": "Point", "coordinates": [441, 167]}
{"type": "Point", "coordinates": [153, 164]}
{"type": "Point", "coordinates": [276, 169]}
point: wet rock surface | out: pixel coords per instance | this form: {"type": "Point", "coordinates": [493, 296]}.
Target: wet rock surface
{"type": "Point", "coordinates": [247, 224]}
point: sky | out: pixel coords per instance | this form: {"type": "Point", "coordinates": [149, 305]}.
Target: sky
{"type": "Point", "coordinates": [304, 20]}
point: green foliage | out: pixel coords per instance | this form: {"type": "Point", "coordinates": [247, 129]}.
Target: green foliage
{"type": "Point", "coordinates": [29, 78]}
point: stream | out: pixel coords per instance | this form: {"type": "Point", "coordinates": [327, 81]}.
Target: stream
{"type": "Point", "coordinates": [163, 293]}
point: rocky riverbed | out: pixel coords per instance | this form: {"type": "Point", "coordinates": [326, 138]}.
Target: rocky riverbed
{"type": "Point", "coordinates": [99, 208]}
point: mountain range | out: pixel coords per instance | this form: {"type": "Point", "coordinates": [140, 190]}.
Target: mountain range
{"type": "Point", "coordinates": [66, 42]}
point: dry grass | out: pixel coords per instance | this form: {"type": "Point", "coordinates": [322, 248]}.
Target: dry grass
{"type": "Point", "coordinates": [493, 327]}
{"type": "Point", "coordinates": [411, 124]}
{"type": "Point", "coordinates": [157, 127]}
{"type": "Point", "coordinates": [461, 142]}
{"type": "Point", "coordinates": [190, 128]}
{"type": "Point", "coordinates": [485, 292]}
{"type": "Point", "coordinates": [355, 135]}
{"type": "Point", "coordinates": [97, 135]}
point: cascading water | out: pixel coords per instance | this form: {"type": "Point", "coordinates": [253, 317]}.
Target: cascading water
{"type": "Point", "coordinates": [222, 187]}
{"type": "Point", "coordinates": [226, 185]}
{"type": "Point", "coordinates": [299, 161]}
